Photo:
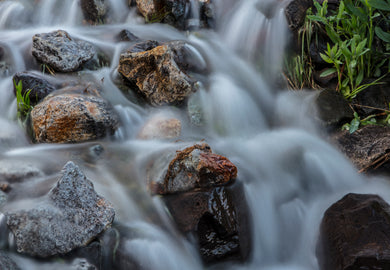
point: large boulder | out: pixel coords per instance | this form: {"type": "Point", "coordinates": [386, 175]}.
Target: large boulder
{"type": "Point", "coordinates": [38, 86]}
{"type": "Point", "coordinates": [69, 117]}
{"type": "Point", "coordinates": [71, 216]}
{"type": "Point", "coordinates": [159, 73]}
{"type": "Point", "coordinates": [195, 167]}
{"type": "Point", "coordinates": [60, 51]}
{"type": "Point", "coordinates": [218, 220]}
{"type": "Point", "coordinates": [355, 234]}
{"type": "Point", "coordinates": [94, 11]}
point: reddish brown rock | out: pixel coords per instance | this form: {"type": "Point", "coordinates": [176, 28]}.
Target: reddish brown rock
{"type": "Point", "coordinates": [160, 127]}
{"type": "Point", "coordinates": [217, 218]}
{"type": "Point", "coordinates": [72, 117]}
{"type": "Point", "coordinates": [195, 167]}
{"type": "Point", "coordinates": [158, 73]}
{"type": "Point", "coordinates": [355, 234]}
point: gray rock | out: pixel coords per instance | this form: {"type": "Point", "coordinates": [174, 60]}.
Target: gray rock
{"type": "Point", "coordinates": [72, 215]}
{"type": "Point", "coordinates": [6, 263]}
{"type": "Point", "coordinates": [61, 52]}
{"type": "Point", "coordinates": [16, 171]}
{"type": "Point", "coordinates": [94, 10]}
{"type": "Point", "coordinates": [38, 86]}
{"type": "Point", "coordinates": [126, 35]}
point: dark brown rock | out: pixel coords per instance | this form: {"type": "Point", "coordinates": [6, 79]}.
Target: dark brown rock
{"type": "Point", "coordinates": [38, 86]}
{"type": "Point", "coordinates": [355, 234]}
{"type": "Point", "coordinates": [126, 35]}
{"type": "Point", "coordinates": [195, 167]}
{"type": "Point", "coordinates": [72, 117]}
{"type": "Point", "coordinates": [94, 11]}
{"type": "Point", "coordinates": [368, 148]}
{"type": "Point", "coordinates": [159, 73]}
{"type": "Point", "coordinates": [217, 218]}
{"type": "Point", "coordinates": [333, 109]}
{"type": "Point", "coordinates": [296, 12]}
{"type": "Point", "coordinates": [143, 46]}
{"type": "Point", "coordinates": [178, 13]}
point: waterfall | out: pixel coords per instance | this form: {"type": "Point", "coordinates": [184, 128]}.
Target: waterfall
{"type": "Point", "coordinates": [290, 174]}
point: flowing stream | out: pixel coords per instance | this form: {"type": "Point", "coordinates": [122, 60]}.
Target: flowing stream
{"type": "Point", "coordinates": [290, 174]}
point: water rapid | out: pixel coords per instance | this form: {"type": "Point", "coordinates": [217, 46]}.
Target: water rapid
{"type": "Point", "coordinates": [290, 174]}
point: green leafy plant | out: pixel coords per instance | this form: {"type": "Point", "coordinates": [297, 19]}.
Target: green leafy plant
{"type": "Point", "coordinates": [357, 122]}
{"type": "Point", "coordinates": [22, 100]}
{"type": "Point", "coordinates": [350, 51]}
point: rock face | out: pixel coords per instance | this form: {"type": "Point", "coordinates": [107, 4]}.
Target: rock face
{"type": "Point", "coordinates": [38, 85]}
{"type": "Point", "coordinates": [72, 117]}
{"type": "Point", "coordinates": [61, 52]}
{"type": "Point", "coordinates": [217, 218]}
{"type": "Point", "coordinates": [159, 73]}
{"type": "Point", "coordinates": [71, 216]}
{"type": "Point", "coordinates": [94, 10]}
{"type": "Point", "coordinates": [159, 127]}
{"type": "Point", "coordinates": [193, 168]}
{"type": "Point", "coordinates": [355, 234]}
{"type": "Point", "coordinates": [368, 148]}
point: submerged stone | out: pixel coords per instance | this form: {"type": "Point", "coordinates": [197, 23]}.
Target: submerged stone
{"type": "Point", "coordinates": [72, 215]}
{"type": "Point", "coordinates": [355, 234]}
{"type": "Point", "coordinates": [60, 51]}
{"type": "Point", "coordinates": [159, 127]}
{"type": "Point", "coordinates": [94, 10]}
{"type": "Point", "coordinates": [72, 117]}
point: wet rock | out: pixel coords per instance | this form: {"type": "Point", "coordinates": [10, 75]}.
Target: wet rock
{"type": "Point", "coordinates": [5, 69]}
{"type": "Point", "coordinates": [60, 51]}
{"type": "Point", "coordinates": [193, 168]}
{"type": "Point", "coordinates": [143, 46]}
{"type": "Point", "coordinates": [38, 86]}
{"type": "Point", "coordinates": [373, 99]}
{"type": "Point", "coordinates": [72, 215]}
{"type": "Point", "coordinates": [178, 13]}
{"type": "Point", "coordinates": [218, 218]}
{"type": "Point", "coordinates": [160, 127]}
{"type": "Point", "coordinates": [6, 263]}
{"type": "Point", "coordinates": [296, 12]}
{"type": "Point", "coordinates": [72, 117]}
{"type": "Point", "coordinates": [126, 35]}
{"type": "Point", "coordinates": [368, 148]}
{"type": "Point", "coordinates": [12, 171]}
{"type": "Point", "coordinates": [354, 234]}
{"type": "Point", "coordinates": [94, 11]}
{"type": "Point", "coordinates": [82, 264]}
{"type": "Point", "coordinates": [333, 109]}
{"type": "Point", "coordinates": [1, 52]}
{"type": "Point", "coordinates": [159, 73]}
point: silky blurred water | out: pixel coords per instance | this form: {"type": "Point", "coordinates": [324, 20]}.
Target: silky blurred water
{"type": "Point", "coordinates": [290, 174]}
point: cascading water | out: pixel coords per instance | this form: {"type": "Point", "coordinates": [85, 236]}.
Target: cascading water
{"type": "Point", "coordinates": [290, 175]}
